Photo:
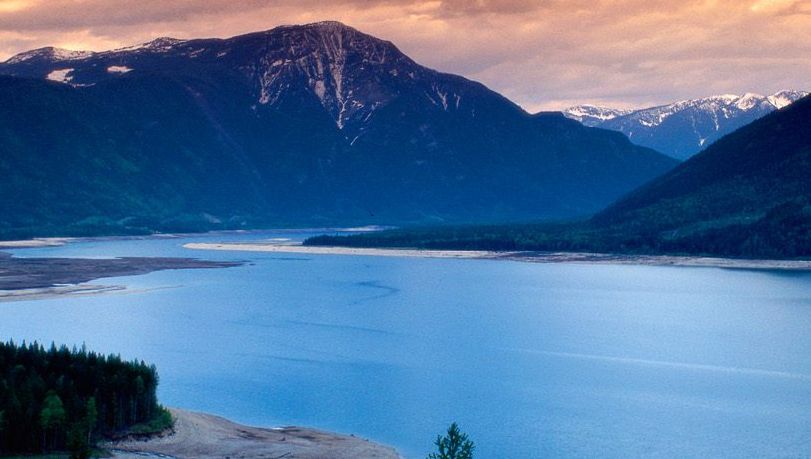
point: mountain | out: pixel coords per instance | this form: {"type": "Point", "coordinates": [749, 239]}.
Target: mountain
{"type": "Point", "coordinates": [317, 124]}
{"type": "Point", "coordinates": [746, 195]}
{"type": "Point", "coordinates": [684, 128]}
{"type": "Point", "coordinates": [592, 115]}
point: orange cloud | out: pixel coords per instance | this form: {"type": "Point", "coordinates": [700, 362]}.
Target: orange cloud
{"type": "Point", "coordinates": [10, 6]}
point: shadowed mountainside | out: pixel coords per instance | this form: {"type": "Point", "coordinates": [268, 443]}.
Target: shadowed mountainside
{"type": "Point", "coordinates": [300, 125]}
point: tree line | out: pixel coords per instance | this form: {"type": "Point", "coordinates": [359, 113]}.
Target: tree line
{"type": "Point", "coordinates": [59, 399]}
{"type": "Point", "coordinates": [783, 231]}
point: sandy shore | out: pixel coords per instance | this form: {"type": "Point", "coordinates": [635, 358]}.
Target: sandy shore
{"type": "Point", "coordinates": [531, 257]}
{"type": "Point", "coordinates": [32, 243]}
{"type": "Point", "coordinates": [319, 250]}
{"type": "Point", "coordinates": [50, 292]}
{"type": "Point", "coordinates": [659, 260]}
{"type": "Point", "coordinates": [199, 435]}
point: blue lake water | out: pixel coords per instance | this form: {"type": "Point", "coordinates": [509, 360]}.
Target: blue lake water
{"type": "Point", "coordinates": [532, 360]}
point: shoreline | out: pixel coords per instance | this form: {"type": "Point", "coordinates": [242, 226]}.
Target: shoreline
{"type": "Point", "coordinates": [35, 242]}
{"type": "Point", "coordinates": [202, 435]}
{"type": "Point", "coordinates": [57, 241]}
{"type": "Point", "coordinates": [522, 256]}
{"type": "Point", "coordinates": [330, 250]}
{"type": "Point", "coordinates": [48, 277]}
{"type": "Point", "coordinates": [25, 294]}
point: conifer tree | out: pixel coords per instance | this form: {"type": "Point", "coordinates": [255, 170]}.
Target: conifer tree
{"type": "Point", "coordinates": [52, 417]}
{"type": "Point", "coordinates": [91, 417]}
{"type": "Point", "coordinates": [454, 445]}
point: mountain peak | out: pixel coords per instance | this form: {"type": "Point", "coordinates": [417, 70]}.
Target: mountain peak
{"type": "Point", "coordinates": [590, 115]}
{"type": "Point", "coordinates": [323, 28]}
{"type": "Point", "coordinates": [785, 97]}
{"type": "Point", "coordinates": [163, 42]}
{"type": "Point", "coordinates": [50, 53]}
{"type": "Point", "coordinates": [682, 128]}
{"type": "Point", "coordinates": [328, 25]}
{"type": "Point", "coordinates": [160, 44]}
{"type": "Point", "coordinates": [349, 72]}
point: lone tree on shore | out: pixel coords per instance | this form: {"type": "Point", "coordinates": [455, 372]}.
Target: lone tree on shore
{"type": "Point", "coordinates": [454, 445]}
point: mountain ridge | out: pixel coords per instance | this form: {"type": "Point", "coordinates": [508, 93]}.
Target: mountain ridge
{"type": "Point", "coordinates": [685, 127]}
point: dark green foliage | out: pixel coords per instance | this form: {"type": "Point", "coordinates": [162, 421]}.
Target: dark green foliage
{"type": "Point", "coordinates": [784, 232]}
{"type": "Point", "coordinates": [454, 445]}
{"type": "Point", "coordinates": [91, 417]}
{"type": "Point", "coordinates": [161, 421]}
{"type": "Point", "coordinates": [78, 444]}
{"type": "Point", "coordinates": [490, 237]}
{"type": "Point", "coordinates": [51, 419]}
{"type": "Point", "coordinates": [60, 398]}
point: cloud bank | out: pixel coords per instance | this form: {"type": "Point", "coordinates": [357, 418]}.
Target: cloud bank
{"type": "Point", "coordinates": [543, 54]}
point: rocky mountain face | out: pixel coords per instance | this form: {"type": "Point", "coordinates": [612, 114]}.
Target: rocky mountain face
{"type": "Point", "coordinates": [684, 128]}
{"type": "Point", "coordinates": [317, 124]}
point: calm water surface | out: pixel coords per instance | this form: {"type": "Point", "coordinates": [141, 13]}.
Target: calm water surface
{"type": "Point", "coordinates": [532, 360]}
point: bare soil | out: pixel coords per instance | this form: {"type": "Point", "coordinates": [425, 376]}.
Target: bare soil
{"type": "Point", "coordinates": [200, 435]}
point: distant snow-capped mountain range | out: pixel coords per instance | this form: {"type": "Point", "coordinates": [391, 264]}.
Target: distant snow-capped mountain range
{"type": "Point", "coordinates": [684, 128]}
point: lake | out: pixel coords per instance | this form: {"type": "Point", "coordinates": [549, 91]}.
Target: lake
{"type": "Point", "coordinates": [532, 360]}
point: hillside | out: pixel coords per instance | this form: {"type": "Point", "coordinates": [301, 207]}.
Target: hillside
{"type": "Point", "coordinates": [299, 125]}
{"type": "Point", "coordinates": [747, 195]}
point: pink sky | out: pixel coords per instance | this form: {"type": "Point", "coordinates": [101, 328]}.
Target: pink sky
{"type": "Point", "coordinates": [543, 54]}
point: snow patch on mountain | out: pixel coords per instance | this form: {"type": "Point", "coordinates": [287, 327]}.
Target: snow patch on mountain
{"type": "Point", "coordinates": [118, 69]}
{"type": "Point", "coordinates": [50, 53]}
{"type": "Point", "coordinates": [785, 97]}
{"type": "Point", "coordinates": [162, 44]}
{"type": "Point", "coordinates": [749, 100]}
{"type": "Point", "coordinates": [60, 76]}
{"type": "Point", "coordinates": [592, 115]}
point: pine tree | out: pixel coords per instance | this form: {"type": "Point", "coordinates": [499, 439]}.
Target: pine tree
{"type": "Point", "coordinates": [77, 442]}
{"type": "Point", "coordinates": [454, 445]}
{"type": "Point", "coordinates": [50, 395]}
{"type": "Point", "coordinates": [52, 416]}
{"type": "Point", "coordinates": [91, 418]}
